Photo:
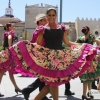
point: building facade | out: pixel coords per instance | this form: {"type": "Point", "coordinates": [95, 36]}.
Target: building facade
{"type": "Point", "coordinates": [24, 30]}
{"type": "Point", "coordinates": [8, 17]}
{"type": "Point", "coordinates": [93, 24]}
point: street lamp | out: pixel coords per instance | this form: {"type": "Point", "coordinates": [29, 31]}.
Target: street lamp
{"type": "Point", "coordinates": [61, 11]}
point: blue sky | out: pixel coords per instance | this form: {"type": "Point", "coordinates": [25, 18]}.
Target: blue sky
{"type": "Point", "coordinates": [70, 11]}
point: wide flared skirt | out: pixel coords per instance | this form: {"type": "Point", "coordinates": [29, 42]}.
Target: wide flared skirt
{"type": "Point", "coordinates": [54, 67]}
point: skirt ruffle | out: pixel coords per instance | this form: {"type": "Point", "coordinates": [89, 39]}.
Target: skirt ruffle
{"type": "Point", "coordinates": [91, 76]}
{"type": "Point", "coordinates": [6, 62]}
{"type": "Point", "coordinates": [54, 67]}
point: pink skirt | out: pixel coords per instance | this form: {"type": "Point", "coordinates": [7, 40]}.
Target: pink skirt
{"type": "Point", "coordinates": [54, 67]}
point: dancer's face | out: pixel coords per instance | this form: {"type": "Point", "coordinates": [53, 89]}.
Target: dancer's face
{"type": "Point", "coordinates": [43, 22]}
{"type": "Point", "coordinates": [51, 16]}
{"type": "Point", "coordinates": [11, 27]}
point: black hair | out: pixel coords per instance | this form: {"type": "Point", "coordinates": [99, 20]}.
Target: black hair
{"type": "Point", "coordinates": [85, 30]}
{"type": "Point", "coordinates": [37, 22]}
{"type": "Point", "coordinates": [6, 27]}
{"type": "Point", "coordinates": [50, 10]}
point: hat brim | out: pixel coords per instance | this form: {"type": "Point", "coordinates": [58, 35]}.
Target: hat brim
{"type": "Point", "coordinates": [39, 19]}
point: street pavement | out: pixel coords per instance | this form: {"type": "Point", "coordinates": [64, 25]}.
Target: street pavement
{"type": "Point", "coordinates": [7, 89]}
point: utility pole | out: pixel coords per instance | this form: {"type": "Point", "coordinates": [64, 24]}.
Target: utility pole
{"type": "Point", "coordinates": [61, 11]}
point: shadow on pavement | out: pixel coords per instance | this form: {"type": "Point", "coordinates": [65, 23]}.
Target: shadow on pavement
{"type": "Point", "coordinates": [68, 98]}
{"type": "Point", "coordinates": [75, 98]}
{"type": "Point", "coordinates": [12, 98]}
{"type": "Point", "coordinates": [72, 98]}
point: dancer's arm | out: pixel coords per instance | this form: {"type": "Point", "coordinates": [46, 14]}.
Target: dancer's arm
{"type": "Point", "coordinates": [39, 39]}
{"type": "Point", "coordinates": [97, 41]}
{"type": "Point", "coordinates": [66, 41]}
{"type": "Point", "coordinates": [9, 40]}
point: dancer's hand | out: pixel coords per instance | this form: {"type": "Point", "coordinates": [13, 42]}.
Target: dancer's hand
{"type": "Point", "coordinates": [35, 43]}
{"type": "Point", "coordinates": [75, 45]}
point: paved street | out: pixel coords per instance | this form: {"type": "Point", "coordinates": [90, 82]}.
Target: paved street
{"type": "Point", "coordinates": [8, 89]}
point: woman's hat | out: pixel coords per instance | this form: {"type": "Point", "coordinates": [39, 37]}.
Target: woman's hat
{"type": "Point", "coordinates": [39, 17]}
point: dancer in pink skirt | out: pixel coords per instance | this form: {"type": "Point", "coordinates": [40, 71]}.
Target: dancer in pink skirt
{"type": "Point", "coordinates": [51, 63]}
{"type": "Point", "coordinates": [9, 65]}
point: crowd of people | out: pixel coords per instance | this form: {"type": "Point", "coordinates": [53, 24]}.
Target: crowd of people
{"type": "Point", "coordinates": [52, 58]}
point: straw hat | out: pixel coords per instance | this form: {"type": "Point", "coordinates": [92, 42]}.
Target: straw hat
{"type": "Point", "coordinates": [39, 17]}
